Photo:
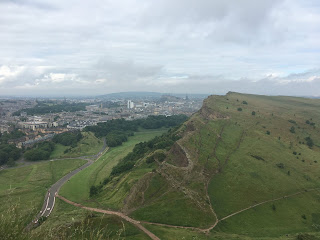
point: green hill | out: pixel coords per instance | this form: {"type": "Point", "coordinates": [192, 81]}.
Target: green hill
{"type": "Point", "coordinates": [245, 166]}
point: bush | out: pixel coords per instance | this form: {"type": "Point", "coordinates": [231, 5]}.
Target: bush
{"type": "Point", "coordinates": [292, 129]}
{"type": "Point", "coordinates": [244, 102]}
{"type": "Point", "coordinates": [309, 142]}
{"type": "Point", "coordinates": [93, 190]}
{"type": "Point", "coordinates": [150, 159]}
{"type": "Point", "coordinates": [239, 109]}
{"type": "Point", "coordinates": [280, 165]}
{"type": "Point", "coordinates": [253, 113]}
{"type": "Point", "coordinates": [268, 132]}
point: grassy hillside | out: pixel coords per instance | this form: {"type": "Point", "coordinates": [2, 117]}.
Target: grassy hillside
{"type": "Point", "coordinates": [22, 190]}
{"type": "Point", "coordinates": [87, 146]}
{"type": "Point", "coordinates": [77, 189]}
{"type": "Point", "coordinates": [245, 166]}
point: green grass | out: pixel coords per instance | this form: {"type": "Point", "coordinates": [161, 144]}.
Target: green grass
{"type": "Point", "coordinates": [285, 219]}
{"type": "Point", "coordinates": [82, 224]}
{"type": "Point", "coordinates": [245, 180]}
{"type": "Point", "coordinates": [25, 187]}
{"type": "Point", "coordinates": [232, 152]}
{"type": "Point", "coordinates": [175, 209]}
{"type": "Point", "coordinates": [87, 146]}
{"type": "Point", "coordinates": [77, 189]}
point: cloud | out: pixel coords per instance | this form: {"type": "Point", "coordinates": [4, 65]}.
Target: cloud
{"type": "Point", "coordinates": [56, 47]}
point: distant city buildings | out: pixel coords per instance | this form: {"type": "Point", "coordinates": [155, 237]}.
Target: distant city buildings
{"type": "Point", "coordinates": [41, 127]}
{"type": "Point", "coordinates": [130, 104]}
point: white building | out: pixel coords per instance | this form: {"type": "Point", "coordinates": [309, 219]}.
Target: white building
{"type": "Point", "coordinates": [130, 104]}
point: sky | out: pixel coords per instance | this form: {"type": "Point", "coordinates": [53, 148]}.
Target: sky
{"type": "Point", "coordinates": [86, 48]}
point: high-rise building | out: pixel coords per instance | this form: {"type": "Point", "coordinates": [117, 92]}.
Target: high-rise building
{"type": "Point", "coordinates": [130, 104]}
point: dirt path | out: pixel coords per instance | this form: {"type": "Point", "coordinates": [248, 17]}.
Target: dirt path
{"type": "Point", "coordinates": [268, 201]}
{"type": "Point", "coordinates": [119, 214]}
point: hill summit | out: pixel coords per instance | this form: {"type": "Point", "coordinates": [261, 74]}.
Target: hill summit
{"type": "Point", "coordinates": [242, 166]}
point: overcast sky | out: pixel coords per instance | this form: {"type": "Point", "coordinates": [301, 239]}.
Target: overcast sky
{"type": "Point", "coordinates": [79, 47]}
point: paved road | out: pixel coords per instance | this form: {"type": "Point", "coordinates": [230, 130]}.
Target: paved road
{"type": "Point", "coordinates": [50, 197]}
{"type": "Point", "coordinates": [49, 200]}
{"type": "Point", "coordinates": [23, 163]}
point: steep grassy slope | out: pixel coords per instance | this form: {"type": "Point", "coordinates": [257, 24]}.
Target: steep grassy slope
{"type": "Point", "coordinates": [237, 151]}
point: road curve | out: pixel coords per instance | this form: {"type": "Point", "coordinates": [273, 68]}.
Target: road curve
{"type": "Point", "coordinates": [49, 199]}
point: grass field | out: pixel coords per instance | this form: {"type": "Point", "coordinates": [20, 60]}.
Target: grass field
{"type": "Point", "coordinates": [77, 189]}
{"type": "Point", "coordinates": [246, 156]}
{"type": "Point", "coordinates": [25, 187]}
{"type": "Point", "coordinates": [84, 225]}
{"type": "Point", "coordinates": [241, 150]}
{"type": "Point", "coordinates": [87, 146]}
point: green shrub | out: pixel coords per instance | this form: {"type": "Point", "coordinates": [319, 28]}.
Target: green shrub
{"type": "Point", "coordinates": [292, 129]}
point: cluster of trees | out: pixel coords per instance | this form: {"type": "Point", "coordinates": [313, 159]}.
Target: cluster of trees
{"type": "Point", "coordinates": [103, 129]}
{"type": "Point", "coordinates": [15, 134]}
{"type": "Point", "coordinates": [9, 153]}
{"type": "Point", "coordinates": [41, 151]}
{"type": "Point", "coordinates": [116, 138]}
{"type": "Point", "coordinates": [68, 138]}
{"type": "Point", "coordinates": [141, 149]}
{"type": "Point", "coordinates": [151, 122]}
{"type": "Point", "coordinates": [154, 122]}
{"type": "Point", "coordinates": [43, 108]}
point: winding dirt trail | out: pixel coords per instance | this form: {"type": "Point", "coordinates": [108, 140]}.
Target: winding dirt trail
{"type": "Point", "coordinates": [268, 201]}
{"type": "Point", "coordinates": [119, 214]}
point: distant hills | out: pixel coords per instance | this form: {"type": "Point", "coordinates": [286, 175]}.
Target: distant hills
{"type": "Point", "coordinates": [145, 95]}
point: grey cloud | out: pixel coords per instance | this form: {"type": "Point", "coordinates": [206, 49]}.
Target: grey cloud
{"type": "Point", "coordinates": [153, 45]}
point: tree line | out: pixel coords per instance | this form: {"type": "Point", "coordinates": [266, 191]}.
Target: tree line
{"type": "Point", "coordinates": [43, 108]}
{"type": "Point", "coordinates": [9, 152]}
{"type": "Point", "coordinates": [151, 122]}
{"type": "Point", "coordinates": [68, 138]}
{"type": "Point", "coordinates": [139, 151]}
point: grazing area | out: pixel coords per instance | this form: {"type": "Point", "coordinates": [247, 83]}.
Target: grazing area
{"type": "Point", "coordinates": [22, 190]}
{"type": "Point", "coordinates": [235, 174]}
